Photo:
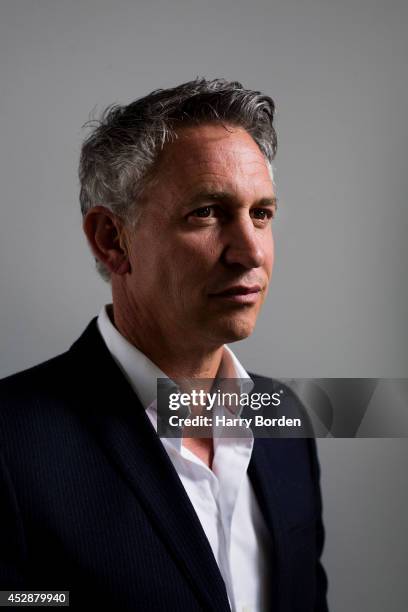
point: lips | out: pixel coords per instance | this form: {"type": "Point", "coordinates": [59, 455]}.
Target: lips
{"type": "Point", "coordinates": [239, 294]}
{"type": "Point", "coordinates": [238, 290]}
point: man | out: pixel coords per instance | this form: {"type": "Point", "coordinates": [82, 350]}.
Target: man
{"type": "Point", "coordinates": [177, 197]}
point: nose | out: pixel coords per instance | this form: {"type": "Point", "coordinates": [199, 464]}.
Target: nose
{"type": "Point", "coordinates": [244, 245]}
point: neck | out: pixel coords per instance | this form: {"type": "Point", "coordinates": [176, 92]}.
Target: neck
{"type": "Point", "coordinates": [176, 354]}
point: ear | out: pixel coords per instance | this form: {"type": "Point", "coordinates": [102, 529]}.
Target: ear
{"type": "Point", "coordinates": [103, 230]}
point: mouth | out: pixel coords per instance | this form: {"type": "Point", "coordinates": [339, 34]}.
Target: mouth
{"type": "Point", "coordinates": [239, 294]}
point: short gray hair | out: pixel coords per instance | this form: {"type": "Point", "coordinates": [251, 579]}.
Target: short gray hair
{"type": "Point", "coordinates": [119, 154]}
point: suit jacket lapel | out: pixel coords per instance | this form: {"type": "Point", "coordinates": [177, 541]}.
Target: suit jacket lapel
{"type": "Point", "coordinates": [262, 472]}
{"type": "Point", "coordinates": [124, 430]}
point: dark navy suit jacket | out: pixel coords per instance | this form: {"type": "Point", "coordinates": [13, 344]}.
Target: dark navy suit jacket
{"type": "Point", "coordinates": [91, 503]}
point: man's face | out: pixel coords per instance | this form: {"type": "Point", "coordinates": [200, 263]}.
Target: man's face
{"type": "Point", "coordinates": [201, 254]}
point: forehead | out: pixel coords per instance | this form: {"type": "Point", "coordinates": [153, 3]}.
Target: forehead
{"type": "Point", "coordinates": [213, 154]}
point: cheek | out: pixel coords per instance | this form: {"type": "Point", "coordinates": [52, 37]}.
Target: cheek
{"type": "Point", "coordinates": [269, 251]}
{"type": "Point", "coordinates": [198, 251]}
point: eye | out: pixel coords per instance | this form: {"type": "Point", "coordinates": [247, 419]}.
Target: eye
{"type": "Point", "coordinates": [262, 214]}
{"type": "Point", "coordinates": [208, 214]}
{"type": "Point", "coordinates": [204, 212]}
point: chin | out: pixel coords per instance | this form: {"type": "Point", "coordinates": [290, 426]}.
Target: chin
{"type": "Point", "coordinates": [235, 329]}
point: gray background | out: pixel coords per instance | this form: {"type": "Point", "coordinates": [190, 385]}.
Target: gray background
{"type": "Point", "coordinates": [339, 300]}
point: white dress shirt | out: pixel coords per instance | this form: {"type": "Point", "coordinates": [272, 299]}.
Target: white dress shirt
{"type": "Point", "coordinates": [223, 497]}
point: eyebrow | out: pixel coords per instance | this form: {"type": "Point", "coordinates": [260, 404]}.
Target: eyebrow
{"type": "Point", "coordinates": [225, 196]}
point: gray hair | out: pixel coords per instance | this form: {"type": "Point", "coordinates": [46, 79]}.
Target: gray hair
{"type": "Point", "coordinates": [118, 156]}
